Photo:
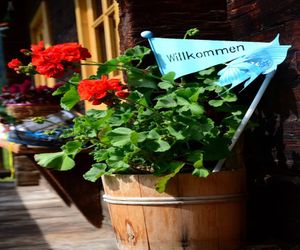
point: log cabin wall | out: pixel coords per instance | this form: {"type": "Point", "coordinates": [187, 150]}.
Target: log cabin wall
{"type": "Point", "coordinates": [273, 148]}
{"type": "Point", "coordinates": [166, 18]}
{"type": "Point", "coordinates": [262, 21]}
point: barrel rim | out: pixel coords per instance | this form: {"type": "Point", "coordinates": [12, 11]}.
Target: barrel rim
{"type": "Point", "coordinates": [121, 200]}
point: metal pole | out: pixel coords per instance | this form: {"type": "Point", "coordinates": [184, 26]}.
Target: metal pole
{"type": "Point", "coordinates": [247, 116]}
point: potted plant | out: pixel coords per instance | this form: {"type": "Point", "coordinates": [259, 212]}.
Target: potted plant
{"type": "Point", "coordinates": [23, 100]}
{"type": "Point", "coordinates": [154, 146]}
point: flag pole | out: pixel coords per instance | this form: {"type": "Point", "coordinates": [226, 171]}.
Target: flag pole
{"type": "Point", "coordinates": [247, 116]}
{"type": "Point", "coordinates": [149, 35]}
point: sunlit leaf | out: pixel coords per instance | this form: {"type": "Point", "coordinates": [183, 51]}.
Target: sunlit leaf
{"type": "Point", "coordinates": [58, 161]}
{"type": "Point", "coordinates": [201, 172]}
{"type": "Point", "coordinates": [162, 182]}
{"type": "Point", "coordinates": [70, 98]}
{"type": "Point", "coordinates": [95, 172]}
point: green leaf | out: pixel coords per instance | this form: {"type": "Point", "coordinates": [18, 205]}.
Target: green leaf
{"type": "Point", "coordinates": [72, 148]}
{"type": "Point", "coordinates": [95, 172]}
{"type": "Point", "coordinates": [101, 155]}
{"type": "Point", "coordinates": [186, 93]}
{"type": "Point", "coordinates": [165, 102]}
{"type": "Point", "coordinates": [70, 98]}
{"type": "Point", "coordinates": [169, 77]}
{"type": "Point", "coordinates": [153, 135]}
{"type": "Point", "coordinates": [177, 134]}
{"type": "Point", "coordinates": [62, 89]}
{"type": "Point", "coordinates": [165, 85]}
{"type": "Point", "coordinates": [137, 137]}
{"type": "Point", "coordinates": [75, 79]}
{"type": "Point", "coordinates": [162, 146]}
{"type": "Point", "coordinates": [137, 97]}
{"type": "Point", "coordinates": [197, 92]}
{"type": "Point", "coordinates": [66, 86]}
{"type": "Point", "coordinates": [195, 155]}
{"type": "Point", "coordinates": [216, 149]}
{"type": "Point", "coordinates": [216, 103]}
{"type": "Point", "coordinates": [118, 167]}
{"type": "Point", "coordinates": [182, 101]}
{"type": "Point", "coordinates": [175, 167]}
{"type": "Point", "coordinates": [198, 164]}
{"type": "Point", "coordinates": [206, 72]}
{"type": "Point", "coordinates": [237, 113]}
{"type": "Point", "coordinates": [196, 109]}
{"type": "Point", "coordinates": [140, 80]}
{"type": "Point", "coordinates": [201, 172]}
{"type": "Point", "coordinates": [191, 32]}
{"type": "Point", "coordinates": [229, 97]}
{"type": "Point", "coordinates": [137, 53]}
{"type": "Point", "coordinates": [120, 136]}
{"type": "Point", "coordinates": [107, 67]}
{"type": "Point", "coordinates": [58, 161]}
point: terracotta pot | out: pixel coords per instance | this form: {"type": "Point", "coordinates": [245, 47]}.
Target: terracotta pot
{"type": "Point", "coordinates": [193, 213]}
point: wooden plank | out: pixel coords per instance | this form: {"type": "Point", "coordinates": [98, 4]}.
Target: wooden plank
{"type": "Point", "coordinates": [23, 149]}
{"type": "Point", "coordinates": [83, 194]}
{"type": "Point", "coordinates": [128, 221]}
{"type": "Point", "coordinates": [70, 185]}
{"type": "Point", "coordinates": [35, 218]}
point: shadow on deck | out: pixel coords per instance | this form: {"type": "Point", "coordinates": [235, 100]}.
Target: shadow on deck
{"type": "Point", "coordinates": [35, 218]}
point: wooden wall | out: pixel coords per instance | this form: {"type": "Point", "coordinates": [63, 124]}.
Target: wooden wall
{"type": "Point", "coordinates": [166, 18]}
{"type": "Point", "coordinates": [273, 148]}
{"type": "Point", "coordinates": [262, 21]}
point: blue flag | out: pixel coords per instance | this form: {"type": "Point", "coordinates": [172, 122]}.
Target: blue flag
{"type": "Point", "coordinates": [186, 56]}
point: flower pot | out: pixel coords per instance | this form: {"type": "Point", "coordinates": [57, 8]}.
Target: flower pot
{"type": "Point", "coordinates": [193, 213]}
{"type": "Point", "coordinates": [25, 110]}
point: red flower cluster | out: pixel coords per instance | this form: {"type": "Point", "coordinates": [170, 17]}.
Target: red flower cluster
{"type": "Point", "coordinates": [50, 61]}
{"type": "Point", "coordinates": [53, 61]}
{"type": "Point", "coordinates": [14, 64]}
{"type": "Point", "coordinates": [99, 90]}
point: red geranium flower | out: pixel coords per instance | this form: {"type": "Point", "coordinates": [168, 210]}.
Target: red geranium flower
{"type": "Point", "coordinates": [73, 52]}
{"type": "Point", "coordinates": [14, 63]}
{"type": "Point", "coordinates": [36, 48]}
{"type": "Point", "coordinates": [50, 61]}
{"type": "Point", "coordinates": [95, 90]}
{"type": "Point", "coordinates": [122, 94]}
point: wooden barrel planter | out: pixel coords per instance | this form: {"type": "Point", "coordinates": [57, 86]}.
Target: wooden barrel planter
{"type": "Point", "coordinates": [193, 213]}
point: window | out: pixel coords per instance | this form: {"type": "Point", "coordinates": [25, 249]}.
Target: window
{"type": "Point", "coordinates": [97, 27]}
{"type": "Point", "coordinates": [97, 22]}
{"type": "Point", "coordinates": [39, 30]}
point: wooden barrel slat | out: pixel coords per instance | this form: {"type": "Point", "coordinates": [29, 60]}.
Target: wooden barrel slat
{"type": "Point", "coordinates": [210, 226]}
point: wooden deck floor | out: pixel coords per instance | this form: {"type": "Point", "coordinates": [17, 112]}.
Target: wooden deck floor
{"type": "Point", "coordinates": [35, 218]}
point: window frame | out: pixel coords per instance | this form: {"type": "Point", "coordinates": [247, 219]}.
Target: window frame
{"type": "Point", "coordinates": [87, 23]}
{"type": "Point", "coordinates": [40, 30]}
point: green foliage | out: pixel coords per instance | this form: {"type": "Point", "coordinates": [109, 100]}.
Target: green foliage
{"type": "Point", "coordinates": [162, 128]}
{"type": "Point", "coordinates": [191, 33]}
{"type": "Point", "coordinates": [69, 93]}
{"type": "Point", "coordinates": [58, 161]}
